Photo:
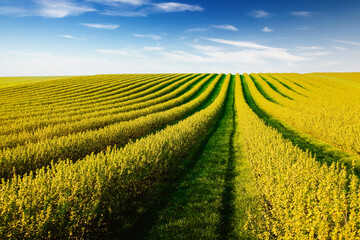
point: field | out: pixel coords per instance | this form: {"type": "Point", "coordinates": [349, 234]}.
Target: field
{"type": "Point", "coordinates": [180, 156]}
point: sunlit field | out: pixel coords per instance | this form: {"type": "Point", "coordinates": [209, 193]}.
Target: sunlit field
{"type": "Point", "coordinates": [180, 156]}
{"type": "Point", "coordinates": [181, 119]}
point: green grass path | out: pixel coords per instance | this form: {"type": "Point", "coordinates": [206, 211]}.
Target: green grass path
{"type": "Point", "coordinates": [201, 205]}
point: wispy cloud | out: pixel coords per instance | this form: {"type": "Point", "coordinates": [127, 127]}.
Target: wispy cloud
{"type": "Point", "coordinates": [344, 41]}
{"type": "Point", "coordinates": [60, 8]}
{"type": "Point", "coordinates": [150, 48]}
{"type": "Point", "coordinates": [119, 2]}
{"type": "Point", "coordinates": [145, 8]}
{"type": "Point", "coordinates": [131, 52]}
{"type": "Point", "coordinates": [316, 54]}
{"type": "Point", "coordinates": [127, 8]}
{"type": "Point", "coordinates": [150, 36]}
{"type": "Point", "coordinates": [238, 43]}
{"type": "Point", "coordinates": [196, 30]}
{"type": "Point", "coordinates": [48, 8]}
{"type": "Point", "coordinates": [177, 7]}
{"type": "Point", "coordinates": [206, 48]}
{"type": "Point", "coordinates": [250, 57]}
{"type": "Point", "coordinates": [186, 57]}
{"type": "Point", "coordinates": [267, 29]}
{"type": "Point", "coordinates": [309, 48]}
{"type": "Point", "coordinates": [126, 13]}
{"type": "Point", "coordinates": [302, 13]}
{"type": "Point", "coordinates": [340, 48]}
{"type": "Point", "coordinates": [70, 37]}
{"type": "Point", "coordinates": [112, 51]}
{"type": "Point", "coordinates": [259, 14]}
{"type": "Point", "coordinates": [183, 38]}
{"type": "Point", "coordinates": [256, 50]}
{"type": "Point", "coordinates": [225, 27]}
{"type": "Point", "coordinates": [101, 26]}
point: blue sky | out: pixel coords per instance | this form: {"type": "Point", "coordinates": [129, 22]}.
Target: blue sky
{"type": "Point", "coordinates": [77, 37]}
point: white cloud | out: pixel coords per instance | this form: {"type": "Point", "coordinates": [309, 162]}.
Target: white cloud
{"type": "Point", "coordinates": [309, 48]}
{"type": "Point", "coordinates": [126, 8]}
{"type": "Point", "coordinates": [125, 13]}
{"type": "Point", "coordinates": [302, 13]}
{"type": "Point", "coordinates": [238, 43]}
{"type": "Point", "coordinates": [60, 8]}
{"type": "Point", "coordinates": [131, 52]}
{"type": "Point", "coordinates": [112, 51]}
{"type": "Point", "coordinates": [176, 7]}
{"type": "Point", "coordinates": [197, 30]}
{"type": "Point", "coordinates": [206, 48]}
{"type": "Point", "coordinates": [248, 57]}
{"type": "Point", "coordinates": [340, 48]}
{"type": "Point", "coordinates": [149, 48]}
{"type": "Point", "coordinates": [260, 51]}
{"type": "Point", "coordinates": [316, 54]}
{"type": "Point", "coordinates": [70, 37]}
{"type": "Point", "coordinates": [48, 8]}
{"type": "Point", "coordinates": [346, 42]}
{"type": "Point", "coordinates": [206, 58]}
{"type": "Point", "coordinates": [101, 26]}
{"type": "Point", "coordinates": [225, 27]}
{"type": "Point", "coordinates": [150, 36]}
{"type": "Point", "coordinates": [146, 7]}
{"type": "Point", "coordinates": [118, 2]}
{"type": "Point", "coordinates": [259, 14]}
{"type": "Point", "coordinates": [267, 29]}
{"type": "Point", "coordinates": [186, 57]}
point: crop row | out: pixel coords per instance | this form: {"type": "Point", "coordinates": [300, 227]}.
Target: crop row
{"type": "Point", "coordinates": [105, 106]}
{"type": "Point", "coordinates": [298, 197]}
{"type": "Point", "coordinates": [72, 86]}
{"type": "Point", "coordinates": [23, 159]}
{"type": "Point", "coordinates": [326, 114]}
{"type": "Point", "coordinates": [83, 99]}
{"type": "Point", "coordinates": [67, 87]}
{"type": "Point", "coordinates": [97, 118]}
{"type": "Point", "coordinates": [74, 199]}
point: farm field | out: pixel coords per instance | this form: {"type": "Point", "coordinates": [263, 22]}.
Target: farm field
{"type": "Point", "coordinates": [180, 156]}
{"type": "Point", "coordinates": [15, 81]}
